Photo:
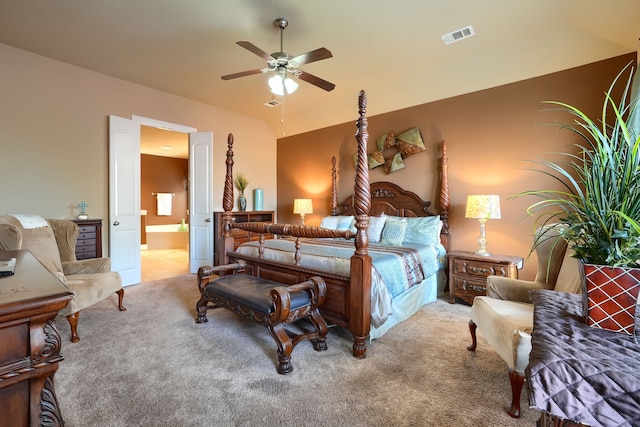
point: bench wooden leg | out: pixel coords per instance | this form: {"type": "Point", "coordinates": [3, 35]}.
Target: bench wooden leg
{"type": "Point", "coordinates": [285, 347]}
{"type": "Point", "coordinates": [201, 308]}
{"type": "Point", "coordinates": [320, 343]}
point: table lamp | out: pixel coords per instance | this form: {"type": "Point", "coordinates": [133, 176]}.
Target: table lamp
{"type": "Point", "coordinates": [302, 207]}
{"type": "Point", "coordinates": [483, 207]}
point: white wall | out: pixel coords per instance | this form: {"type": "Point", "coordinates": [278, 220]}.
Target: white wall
{"type": "Point", "coordinates": [54, 136]}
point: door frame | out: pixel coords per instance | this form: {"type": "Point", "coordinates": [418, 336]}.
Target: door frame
{"type": "Point", "coordinates": [174, 127]}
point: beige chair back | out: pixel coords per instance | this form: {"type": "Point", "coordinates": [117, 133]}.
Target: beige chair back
{"type": "Point", "coordinates": [550, 250]}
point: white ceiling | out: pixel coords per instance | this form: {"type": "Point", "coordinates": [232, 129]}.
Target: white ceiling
{"type": "Point", "coordinates": [393, 50]}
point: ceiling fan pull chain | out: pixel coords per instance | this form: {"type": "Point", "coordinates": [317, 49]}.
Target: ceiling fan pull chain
{"type": "Point", "coordinates": [282, 114]}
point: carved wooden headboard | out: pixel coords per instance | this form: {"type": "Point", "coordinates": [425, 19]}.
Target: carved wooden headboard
{"type": "Point", "coordinates": [391, 199]}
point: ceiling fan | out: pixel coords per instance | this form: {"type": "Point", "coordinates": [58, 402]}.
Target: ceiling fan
{"type": "Point", "coordinates": [283, 64]}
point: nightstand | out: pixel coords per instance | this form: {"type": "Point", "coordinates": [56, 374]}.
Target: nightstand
{"type": "Point", "coordinates": [468, 273]}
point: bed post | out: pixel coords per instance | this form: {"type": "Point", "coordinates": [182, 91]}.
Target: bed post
{"type": "Point", "coordinates": [226, 242]}
{"type": "Point", "coordinates": [360, 300]}
{"type": "Point", "coordinates": [444, 197]}
{"type": "Point", "coordinates": [334, 187]}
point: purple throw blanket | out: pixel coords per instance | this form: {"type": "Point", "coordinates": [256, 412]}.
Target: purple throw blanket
{"type": "Point", "coordinates": [579, 373]}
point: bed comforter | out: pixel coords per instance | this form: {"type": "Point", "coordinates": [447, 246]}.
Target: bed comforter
{"type": "Point", "coordinates": [395, 269]}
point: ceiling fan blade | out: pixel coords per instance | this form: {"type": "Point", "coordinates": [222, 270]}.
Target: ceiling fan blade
{"type": "Point", "coordinates": [313, 56]}
{"type": "Point", "coordinates": [255, 49]}
{"type": "Point", "coordinates": [317, 81]}
{"type": "Point", "coordinates": [242, 74]}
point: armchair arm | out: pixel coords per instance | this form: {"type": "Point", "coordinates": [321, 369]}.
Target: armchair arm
{"type": "Point", "coordinates": [509, 289]}
{"type": "Point", "coordinates": [87, 266]}
{"type": "Point", "coordinates": [10, 237]}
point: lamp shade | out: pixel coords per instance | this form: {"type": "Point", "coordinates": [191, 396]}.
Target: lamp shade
{"type": "Point", "coordinates": [302, 206]}
{"type": "Point", "coordinates": [483, 207]}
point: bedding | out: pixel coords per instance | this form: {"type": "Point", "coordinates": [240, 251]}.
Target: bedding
{"type": "Point", "coordinates": [395, 268]}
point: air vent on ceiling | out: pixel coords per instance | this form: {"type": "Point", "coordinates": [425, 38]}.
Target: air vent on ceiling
{"type": "Point", "coordinates": [272, 103]}
{"type": "Point", "coordinates": [460, 34]}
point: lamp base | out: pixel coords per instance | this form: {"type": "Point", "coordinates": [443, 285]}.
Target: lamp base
{"type": "Point", "coordinates": [482, 252]}
{"type": "Point", "coordinates": [482, 240]}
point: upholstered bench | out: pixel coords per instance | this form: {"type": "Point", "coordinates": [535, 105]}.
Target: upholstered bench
{"type": "Point", "coordinates": [268, 303]}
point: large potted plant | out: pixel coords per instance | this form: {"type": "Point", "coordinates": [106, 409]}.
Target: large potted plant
{"type": "Point", "coordinates": [598, 203]}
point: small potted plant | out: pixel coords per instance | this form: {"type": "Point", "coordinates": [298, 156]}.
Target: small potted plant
{"type": "Point", "coordinates": [241, 182]}
{"type": "Point", "coordinates": [599, 202]}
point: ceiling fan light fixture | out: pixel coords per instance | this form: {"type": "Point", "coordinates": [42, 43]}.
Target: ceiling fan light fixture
{"type": "Point", "coordinates": [280, 84]}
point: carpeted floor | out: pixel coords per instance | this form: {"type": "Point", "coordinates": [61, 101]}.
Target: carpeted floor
{"type": "Point", "coordinates": [152, 365]}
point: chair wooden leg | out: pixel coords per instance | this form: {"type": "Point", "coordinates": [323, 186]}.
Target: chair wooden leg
{"type": "Point", "coordinates": [517, 381]}
{"type": "Point", "coordinates": [474, 342]}
{"type": "Point", "coordinates": [73, 322]}
{"type": "Point", "coordinates": [120, 293]}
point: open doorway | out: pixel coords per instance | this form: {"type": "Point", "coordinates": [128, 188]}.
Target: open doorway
{"type": "Point", "coordinates": [164, 202]}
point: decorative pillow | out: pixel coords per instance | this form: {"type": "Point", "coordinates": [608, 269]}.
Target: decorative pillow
{"type": "Point", "coordinates": [330, 222]}
{"type": "Point", "coordinates": [423, 230]}
{"type": "Point", "coordinates": [376, 225]}
{"type": "Point", "coordinates": [393, 231]}
{"type": "Point", "coordinates": [346, 223]}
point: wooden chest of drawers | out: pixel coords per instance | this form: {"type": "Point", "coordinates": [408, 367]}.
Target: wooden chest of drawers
{"type": "Point", "coordinates": [239, 236]}
{"type": "Point", "coordinates": [89, 244]}
{"type": "Point", "coordinates": [468, 273]}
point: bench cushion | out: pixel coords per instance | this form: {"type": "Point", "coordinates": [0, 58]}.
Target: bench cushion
{"type": "Point", "coordinates": [251, 291]}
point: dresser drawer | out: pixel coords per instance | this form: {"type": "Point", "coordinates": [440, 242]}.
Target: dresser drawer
{"type": "Point", "coordinates": [87, 235]}
{"type": "Point", "coordinates": [81, 244]}
{"type": "Point", "coordinates": [14, 351]}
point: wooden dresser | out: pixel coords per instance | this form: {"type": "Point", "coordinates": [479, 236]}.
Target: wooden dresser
{"type": "Point", "coordinates": [89, 244]}
{"type": "Point", "coordinates": [30, 350]}
{"type": "Point", "coordinates": [239, 236]}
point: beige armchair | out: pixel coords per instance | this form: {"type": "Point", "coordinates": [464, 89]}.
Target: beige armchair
{"type": "Point", "coordinates": [505, 315]}
{"type": "Point", "coordinates": [53, 243]}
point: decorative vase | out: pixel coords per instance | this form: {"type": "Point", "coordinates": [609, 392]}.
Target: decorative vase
{"type": "Point", "coordinates": [257, 199]}
{"type": "Point", "coordinates": [611, 296]}
{"type": "Point", "coordinates": [242, 202]}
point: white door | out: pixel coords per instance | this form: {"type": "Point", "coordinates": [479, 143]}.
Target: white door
{"type": "Point", "coordinates": [200, 200]}
{"type": "Point", "coordinates": [124, 199]}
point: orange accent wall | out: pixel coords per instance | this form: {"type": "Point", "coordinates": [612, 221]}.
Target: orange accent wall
{"type": "Point", "coordinates": [491, 135]}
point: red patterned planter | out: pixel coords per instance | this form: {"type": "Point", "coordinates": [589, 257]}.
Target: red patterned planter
{"type": "Point", "coordinates": [612, 295]}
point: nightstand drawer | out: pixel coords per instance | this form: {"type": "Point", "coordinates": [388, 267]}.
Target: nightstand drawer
{"type": "Point", "coordinates": [478, 268]}
{"type": "Point", "coordinates": [470, 285]}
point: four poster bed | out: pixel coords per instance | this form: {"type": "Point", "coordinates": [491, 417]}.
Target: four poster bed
{"type": "Point", "coordinates": [373, 287]}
